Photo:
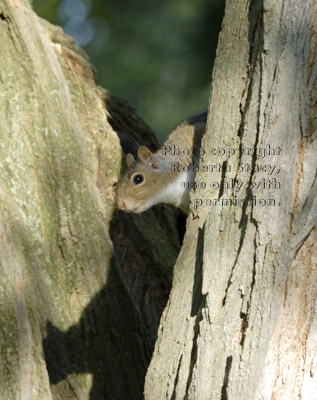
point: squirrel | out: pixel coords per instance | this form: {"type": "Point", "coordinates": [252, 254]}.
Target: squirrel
{"type": "Point", "coordinates": [165, 176]}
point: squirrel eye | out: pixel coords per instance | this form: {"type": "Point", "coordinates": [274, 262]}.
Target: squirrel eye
{"type": "Point", "coordinates": [137, 179]}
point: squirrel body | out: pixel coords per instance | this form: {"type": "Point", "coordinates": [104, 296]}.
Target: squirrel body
{"type": "Point", "coordinates": [157, 177]}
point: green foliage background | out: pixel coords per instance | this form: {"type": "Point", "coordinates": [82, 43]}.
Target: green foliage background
{"type": "Point", "coordinates": [158, 54]}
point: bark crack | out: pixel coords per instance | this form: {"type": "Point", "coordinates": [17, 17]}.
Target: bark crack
{"type": "Point", "coordinates": [176, 378]}
{"type": "Point", "coordinates": [299, 175]}
{"type": "Point", "coordinates": [198, 304]}
{"type": "Point", "coordinates": [198, 279]}
{"type": "Point", "coordinates": [224, 389]}
{"type": "Point", "coordinates": [256, 28]}
{"type": "Point", "coordinates": [3, 16]}
{"type": "Point", "coordinates": [223, 175]}
{"type": "Point", "coordinates": [245, 315]}
{"type": "Point", "coordinates": [244, 326]}
{"type": "Point", "coordinates": [193, 356]}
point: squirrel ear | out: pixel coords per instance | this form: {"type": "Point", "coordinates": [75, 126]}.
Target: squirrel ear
{"type": "Point", "coordinates": [145, 156]}
{"type": "Point", "coordinates": [129, 159]}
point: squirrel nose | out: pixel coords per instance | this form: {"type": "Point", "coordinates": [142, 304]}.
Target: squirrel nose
{"type": "Point", "coordinates": [121, 206]}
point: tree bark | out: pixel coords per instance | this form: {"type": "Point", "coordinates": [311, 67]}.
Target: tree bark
{"type": "Point", "coordinates": [78, 311]}
{"type": "Point", "coordinates": [241, 319]}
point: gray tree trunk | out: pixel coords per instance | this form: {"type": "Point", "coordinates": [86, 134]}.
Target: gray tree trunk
{"type": "Point", "coordinates": [78, 311]}
{"type": "Point", "coordinates": [241, 320]}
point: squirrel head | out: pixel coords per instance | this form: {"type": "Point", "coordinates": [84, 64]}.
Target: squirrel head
{"type": "Point", "coordinates": [137, 188]}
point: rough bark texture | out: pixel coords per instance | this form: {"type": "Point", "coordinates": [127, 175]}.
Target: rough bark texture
{"type": "Point", "coordinates": [78, 311]}
{"type": "Point", "coordinates": [241, 320]}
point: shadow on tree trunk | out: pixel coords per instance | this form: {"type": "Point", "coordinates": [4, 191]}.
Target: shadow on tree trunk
{"type": "Point", "coordinates": [110, 342]}
{"type": "Point", "coordinates": [114, 339]}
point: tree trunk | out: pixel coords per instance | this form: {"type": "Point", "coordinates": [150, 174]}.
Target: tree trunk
{"type": "Point", "coordinates": [78, 311]}
{"type": "Point", "coordinates": [241, 319]}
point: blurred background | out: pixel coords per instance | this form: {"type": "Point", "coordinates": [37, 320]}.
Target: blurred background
{"type": "Point", "coordinates": [157, 54]}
